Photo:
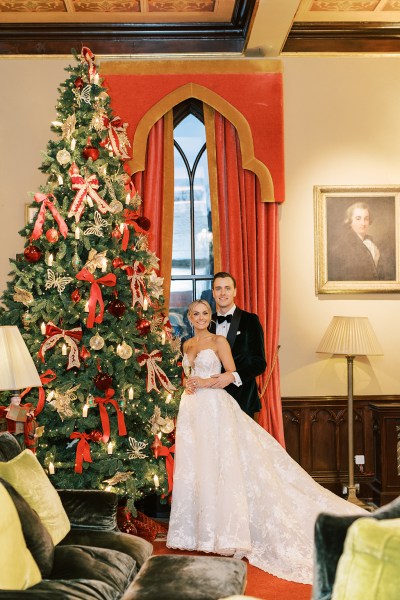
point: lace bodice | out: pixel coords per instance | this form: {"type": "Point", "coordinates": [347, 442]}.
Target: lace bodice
{"type": "Point", "coordinates": [206, 363]}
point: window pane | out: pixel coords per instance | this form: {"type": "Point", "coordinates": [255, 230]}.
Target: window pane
{"type": "Point", "coordinates": [181, 296]}
{"type": "Point", "coordinates": [191, 136]}
{"type": "Point", "coordinates": [204, 263]}
{"type": "Point", "coordinates": [181, 245]}
{"type": "Point", "coordinates": [203, 291]}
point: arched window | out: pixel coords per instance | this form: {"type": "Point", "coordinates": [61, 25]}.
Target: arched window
{"type": "Point", "coordinates": [192, 247]}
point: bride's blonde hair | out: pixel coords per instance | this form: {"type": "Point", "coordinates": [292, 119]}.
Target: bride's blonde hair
{"type": "Point", "coordinates": [201, 301]}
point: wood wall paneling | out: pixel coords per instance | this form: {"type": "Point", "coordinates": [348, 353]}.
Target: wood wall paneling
{"type": "Point", "coordinates": [316, 437]}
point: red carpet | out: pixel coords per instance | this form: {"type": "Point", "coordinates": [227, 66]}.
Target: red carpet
{"type": "Point", "coordinates": [259, 584]}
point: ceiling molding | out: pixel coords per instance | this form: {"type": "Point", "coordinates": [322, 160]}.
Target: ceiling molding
{"type": "Point", "coordinates": [343, 37]}
{"type": "Point", "coordinates": [129, 38]}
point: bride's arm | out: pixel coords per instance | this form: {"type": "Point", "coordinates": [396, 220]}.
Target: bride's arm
{"type": "Point", "coordinates": [225, 354]}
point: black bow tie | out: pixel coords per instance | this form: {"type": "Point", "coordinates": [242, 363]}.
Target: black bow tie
{"type": "Point", "coordinates": [222, 318]}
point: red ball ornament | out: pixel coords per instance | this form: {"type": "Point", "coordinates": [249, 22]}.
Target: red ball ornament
{"type": "Point", "coordinates": [116, 308]}
{"type": "Point", "coordinates": [84, 353]}
{"type": "Point", "coordinates": [74, 169]}
{"type": "Point", "coordinates": [32, 254]}
{"type": "Point", "coordinates": [116, 233]}
{"type": "Point", "coordinates": [117, 262]}
{"type": "Point", "coordinates": [52, 235]}
{"type": "Point", "coordinates": [171, 437]}
{"type": "Point", "coordinates": [144, 223]}
{"type": "Point", "coordinates": [103, 381]}
{"type": "Point", "coordinates": [75, 296]}
{"type": "Point", "coordinates": [143, 326]}
{"type": "Point", "coordinates": [96, 436]}
{"type": "Point", "coordinates": [90, 152]}
{"type": "Point", "coordinates": [78, 83]}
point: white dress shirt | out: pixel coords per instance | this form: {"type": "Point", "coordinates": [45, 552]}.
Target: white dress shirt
{"type": "Point", "coordinates": [222, 329]}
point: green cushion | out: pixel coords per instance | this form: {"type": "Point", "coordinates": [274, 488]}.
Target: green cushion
{"type": "Point", "coordinates": [18, 570]}
{"type": "Point", "coordinates": [369, 566]}
{"type": "Point", "coordinates": [330, 534]}
{"type": "Point", "coordinates": [176, 577]}
{"type": "Point", "coordinates": [26, 475]}
{"type": "Point", "coordinates": [37, 538]}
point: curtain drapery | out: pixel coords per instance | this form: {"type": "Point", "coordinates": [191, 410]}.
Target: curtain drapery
{"type": "Point", "coordinates": [155, 185]}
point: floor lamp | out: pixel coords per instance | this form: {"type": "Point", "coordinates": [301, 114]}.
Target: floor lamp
{"type": "Point", "coordinates": [350, 337]}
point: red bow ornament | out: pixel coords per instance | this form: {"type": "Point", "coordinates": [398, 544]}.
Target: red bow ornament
{"type": "Point", "coordinates": [88, 57]}
{"type": "Point", "coordinates": [154, 371]}
{"type": "Point", "coordinates": [45, 378]}
{"type": "Point", "coordinates": [85, 188]}
{"type": "Point", "coordinates": [71, 336]}
{"type": "Point", "coordinates": [96, 297]}
{"type": "Point", "coordinates": [82, 449]}
{"type": "Point", "coordinates": [105, 421]}
{"type": "Point", "coordinates": [140, 225]}
{"type": "Point", "coordinates": [47, 203]}
{"type": "Point", "coordinates": [136, 277]}
{"type": "Point", "coordinates": [117, 139]}
{"type": "Point", "coordinates": [167, 326]}
{"type": "Point", "coordinates": [169, 464]}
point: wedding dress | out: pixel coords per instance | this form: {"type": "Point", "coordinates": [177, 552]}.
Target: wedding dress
{"type": "Point", "coordinates": [236, 490]}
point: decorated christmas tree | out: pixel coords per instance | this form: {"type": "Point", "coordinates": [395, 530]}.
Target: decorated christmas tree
{"type": "Point", "coordinates": [87, 298]}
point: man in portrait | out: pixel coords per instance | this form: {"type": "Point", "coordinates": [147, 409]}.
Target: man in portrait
{"type": "Point", "coordinates": [356, 251]}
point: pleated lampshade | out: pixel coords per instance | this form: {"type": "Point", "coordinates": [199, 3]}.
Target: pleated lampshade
{"type": "Point", "coordinates": [17, 369]}
{"type": "Point", "coordinates": [350, 336]}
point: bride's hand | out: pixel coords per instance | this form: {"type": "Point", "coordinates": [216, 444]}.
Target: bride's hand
{"type": "Point", "coordinates": [193, 383]}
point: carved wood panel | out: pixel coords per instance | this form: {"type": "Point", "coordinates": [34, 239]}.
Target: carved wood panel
{"type": "Point", "coordinates": [316, 437]}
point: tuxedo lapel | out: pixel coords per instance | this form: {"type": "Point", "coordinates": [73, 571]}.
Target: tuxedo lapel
{"type": "Point", "coordinates": [234, 326]}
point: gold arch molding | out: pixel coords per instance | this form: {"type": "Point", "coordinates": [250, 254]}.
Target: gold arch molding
{"type": "Point", "coordinates": [194, 90]}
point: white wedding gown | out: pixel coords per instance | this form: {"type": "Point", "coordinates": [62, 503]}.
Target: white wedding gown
{"type": "Point", "coordinates": [237, 491]}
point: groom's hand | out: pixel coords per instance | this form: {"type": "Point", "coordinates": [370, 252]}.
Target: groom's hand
{"type": "Point", "coordinates": [222, 380]}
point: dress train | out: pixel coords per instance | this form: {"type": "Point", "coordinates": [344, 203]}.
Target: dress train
{"type": "Point", "coordinates": [236, 490]}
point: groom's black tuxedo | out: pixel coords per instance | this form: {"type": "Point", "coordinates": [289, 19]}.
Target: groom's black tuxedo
{"type": "Point", "coordinates": [246, 339]}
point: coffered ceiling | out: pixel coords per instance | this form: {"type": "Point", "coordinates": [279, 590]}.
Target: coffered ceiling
{"type": "Point", "coordinates": [254, 27]}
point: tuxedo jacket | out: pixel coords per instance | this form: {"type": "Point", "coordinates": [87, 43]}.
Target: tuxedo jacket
{"type": "Point", "coordinates": [246, 339]}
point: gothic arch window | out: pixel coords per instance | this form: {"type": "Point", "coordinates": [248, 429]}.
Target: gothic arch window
{"type": "Point", "coordinates": [192, 246]}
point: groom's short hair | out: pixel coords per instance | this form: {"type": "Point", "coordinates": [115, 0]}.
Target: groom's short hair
{"type": "Point", "coordinates": [224, 274]}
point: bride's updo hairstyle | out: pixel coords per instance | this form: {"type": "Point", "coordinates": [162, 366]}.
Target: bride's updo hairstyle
{"type": "Point", "coordinates": [195, 303]}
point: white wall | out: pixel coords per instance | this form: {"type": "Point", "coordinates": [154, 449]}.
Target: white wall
{"type": "Point", "coordinates": [342, 127]}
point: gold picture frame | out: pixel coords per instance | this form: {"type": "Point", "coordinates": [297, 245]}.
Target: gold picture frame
{"type": "Point", "coordinates": [356, 235]}
{"type": "Point", "coordinates": [30, 213]}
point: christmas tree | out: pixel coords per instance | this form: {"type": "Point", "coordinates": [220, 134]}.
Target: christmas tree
{"type": "Point", "coordinates": [87, 298]}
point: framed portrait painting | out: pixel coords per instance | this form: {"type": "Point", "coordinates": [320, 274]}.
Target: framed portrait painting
{"type": "Point", "coordinates": [356, 231]}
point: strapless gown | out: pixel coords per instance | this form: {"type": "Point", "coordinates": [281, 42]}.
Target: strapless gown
{"type": "Point", "coordinates": [237, 492]}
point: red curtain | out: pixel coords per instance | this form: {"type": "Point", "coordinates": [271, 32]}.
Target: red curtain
{"type": "Point", "coordinates": [149, 184]}
{"type": "Point", "coordinates": [250, 251]}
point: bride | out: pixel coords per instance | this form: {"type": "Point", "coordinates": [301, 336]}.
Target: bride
{"type": "Point", "coordinates": [236, 490]}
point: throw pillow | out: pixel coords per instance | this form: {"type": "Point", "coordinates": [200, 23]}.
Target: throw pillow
{"type": "Point", "coordinates": [330, 534]}
{"type": "Point", "coordinates": [369, 566]}
{"type": "Point", "coordinates": [27, 476]}
{"type": "Point", "coordinates": [9, 446]}
{"type": "Point", "coordinates": [37, 538]}
{"type": "Point", "coordinates": [18, 569]}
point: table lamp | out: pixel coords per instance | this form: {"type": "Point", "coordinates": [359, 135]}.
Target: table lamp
{"type": "Point", "coordinates": [17, 369]}
{"type": "Point", "coordinates": [350, 337]}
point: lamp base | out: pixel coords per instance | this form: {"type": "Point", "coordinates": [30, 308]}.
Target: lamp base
{"type": "Point", "coordinates": [352, 496]}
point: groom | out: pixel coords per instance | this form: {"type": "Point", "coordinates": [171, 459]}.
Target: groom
{"type": "Point", "coordinates": [246, 338]}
